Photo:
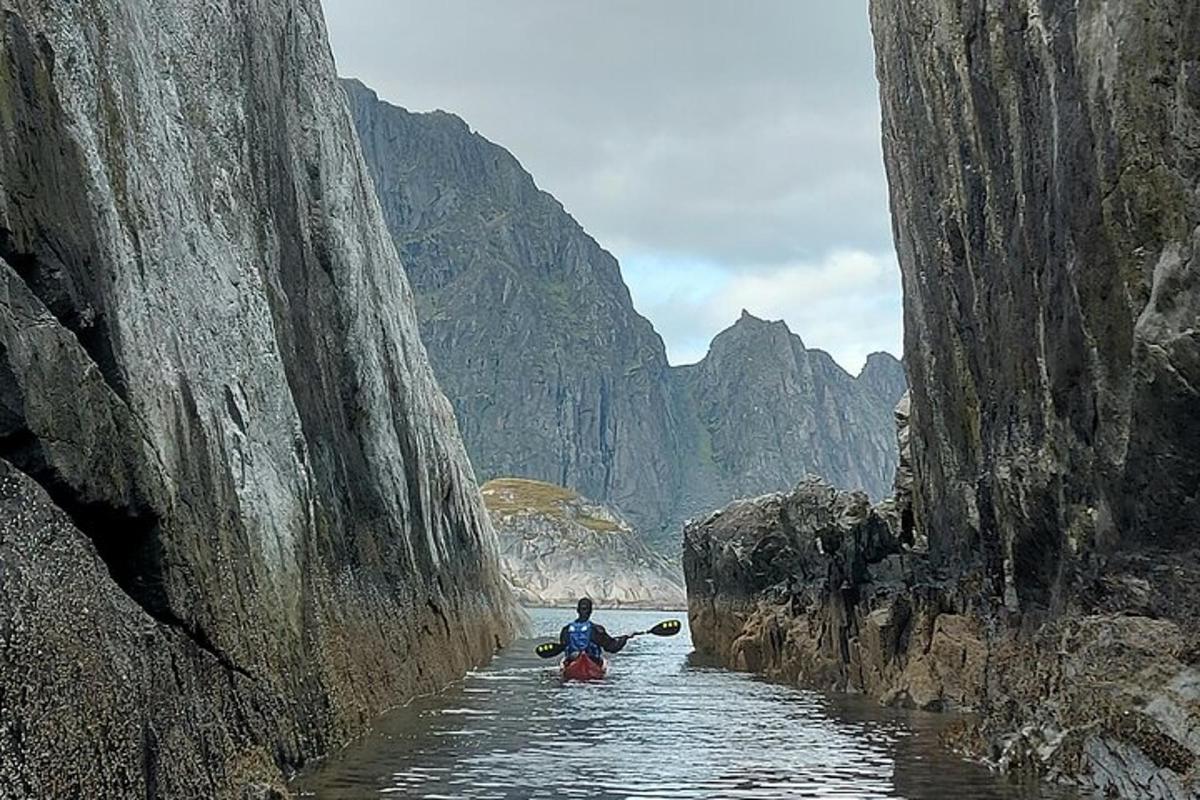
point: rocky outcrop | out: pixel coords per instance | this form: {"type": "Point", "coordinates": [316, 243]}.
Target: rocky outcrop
{"type": "Point", "coordinates": [554, 375]}
{"type": "Point", "coordinates": [556, 547]}
{"type": "Point", "coordinates": [236, 518]}
{"type": "Point", "coordinates": [816, 587]}
{"type": "Point", "coordinates": [1037, 564]}
{"type": "Point", "coordinates": [1043, 160]}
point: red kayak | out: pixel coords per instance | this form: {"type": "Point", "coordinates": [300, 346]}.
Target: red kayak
{"type": "Point", "coordinates": [584, 669]}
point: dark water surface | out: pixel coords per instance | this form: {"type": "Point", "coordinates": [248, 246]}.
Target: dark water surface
{"type": "Point", "coordinates": [658, 727]}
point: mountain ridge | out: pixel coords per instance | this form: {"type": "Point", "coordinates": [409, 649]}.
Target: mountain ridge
{"type": "Point", "coordinates": [553, 373]}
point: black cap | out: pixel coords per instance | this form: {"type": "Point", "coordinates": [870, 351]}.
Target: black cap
{"type": "Point", "coordinates": [584, 607]}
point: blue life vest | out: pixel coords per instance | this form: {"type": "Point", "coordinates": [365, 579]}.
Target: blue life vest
{"type": "Point", "coordinates": [579, 640]}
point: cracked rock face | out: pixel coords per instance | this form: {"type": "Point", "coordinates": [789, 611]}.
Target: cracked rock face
{"type": "Point", "coordinates": [553, 373]}
{"type": "Point", "coordinates": [1043, 160]}
{"type": "Point", "coordinates": [215, 410]}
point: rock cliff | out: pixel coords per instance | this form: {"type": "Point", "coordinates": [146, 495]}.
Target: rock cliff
{"type": "Point", "coordinates": [236, 517]}
{"type": "Point", "coordinates": [556, 547]}
{"type": "Point", "coordinates": [553, 373]}
{"type": "Point", "coordinates": [816, 587]}
{"type": "Point", "coordinates": [1037, 564]}
{"type": "Point", "coordinates": [529, 326]}
{"type": "Point", "coordinates": [1043, 160]}
{"type": "Point", "coordinates": [761, 411]}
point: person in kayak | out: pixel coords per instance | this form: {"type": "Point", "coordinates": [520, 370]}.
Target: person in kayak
{"type": "Point", "coordinates": [584, 637]}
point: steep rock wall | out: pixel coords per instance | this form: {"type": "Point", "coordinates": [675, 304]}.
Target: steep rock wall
{"type": "Point", "coordinates": [211, 383]}
{"type": "Point", "coordinates": [1043, 159]}
{"type": "Point", "coordinates": [1040, 564]}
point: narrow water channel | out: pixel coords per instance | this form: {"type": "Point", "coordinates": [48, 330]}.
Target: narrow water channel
{"type": "Point", "coordinates": [660, 726]}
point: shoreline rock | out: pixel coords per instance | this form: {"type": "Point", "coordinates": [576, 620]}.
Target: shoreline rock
{"type": "Point", "coordinates": [814, 588]}
{"type": "Point", "coordinates": [556, 546]}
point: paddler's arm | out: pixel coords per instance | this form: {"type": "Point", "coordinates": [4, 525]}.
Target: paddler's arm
{"type": "Point", "coordinates": [608, 643]}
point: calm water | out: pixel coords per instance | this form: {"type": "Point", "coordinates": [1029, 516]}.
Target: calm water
{"type": "Point", "coordinates": [658, 727]}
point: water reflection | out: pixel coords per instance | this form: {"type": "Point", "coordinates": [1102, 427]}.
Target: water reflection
{"type": "Point", "coordinates": [659, 727]}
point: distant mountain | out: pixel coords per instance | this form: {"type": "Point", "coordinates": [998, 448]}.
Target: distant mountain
{"type": "Point", "coordinates": [883, 377]}
{"type": "Point", "coordinates": [530, 328]}
{"type": "Point", "coordinates": [765, 412]}
{"type": "Point", "coordinates": [553, 374]}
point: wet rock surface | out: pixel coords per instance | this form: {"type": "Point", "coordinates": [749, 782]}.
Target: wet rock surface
{"type": "Point", "coordinates": [815, 587]}
{"type": "Point", "coordinates": [556, 547]}
{"type": "Point", "coordinates": [238, 520]}
{"type": "Point", "coordinates": [553, 373]}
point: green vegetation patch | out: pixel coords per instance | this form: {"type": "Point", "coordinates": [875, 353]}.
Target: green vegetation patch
{"type": "Point", "coordinates": [513, 495]}
{"type": "Point", "coordinates": [597, 524]}
{"type": "Point", "coordinates": [509, 496]}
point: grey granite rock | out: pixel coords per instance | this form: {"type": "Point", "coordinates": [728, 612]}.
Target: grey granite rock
{"type": "Point", "coordinates": [1043, 161]}
{"type": "Point", "coordinates": [211, 380]}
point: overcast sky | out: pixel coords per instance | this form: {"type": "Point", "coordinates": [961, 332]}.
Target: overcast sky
{"type": "Point", "coordinates": [727, 152]}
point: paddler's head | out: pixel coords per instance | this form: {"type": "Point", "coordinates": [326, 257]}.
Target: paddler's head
{"type": "Point", "coordinates": [584, 608]}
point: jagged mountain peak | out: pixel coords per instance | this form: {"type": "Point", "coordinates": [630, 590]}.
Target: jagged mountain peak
{"type": "Point", "coordinates": [882, 359]}
{"type": "Point", "coordinates": [359, 90]}
{"type": "Point", "coordinates": [883, 375]}
{"type": "Point", "coordinates": [553, 373]}
{"type": "Point", "coordinates": [750, 332]}
{"type": "Point", "coordinates": [748, 321]}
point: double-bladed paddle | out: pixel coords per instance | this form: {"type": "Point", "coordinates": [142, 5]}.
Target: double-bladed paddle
{"type": "Point", "coordinates": [669, 627]}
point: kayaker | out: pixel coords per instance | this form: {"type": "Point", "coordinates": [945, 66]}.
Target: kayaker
{"type": "Point", "coordinates": [584, 637]}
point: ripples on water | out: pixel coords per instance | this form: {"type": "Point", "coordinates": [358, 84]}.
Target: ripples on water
{"type": "Point", "coordinates": [658, 727]}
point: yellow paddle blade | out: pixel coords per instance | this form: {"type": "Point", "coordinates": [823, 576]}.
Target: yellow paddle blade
{"type": "Point", "coordinates": [668, 628]}
{"type": "Point", "coordinates": [548, 649]}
